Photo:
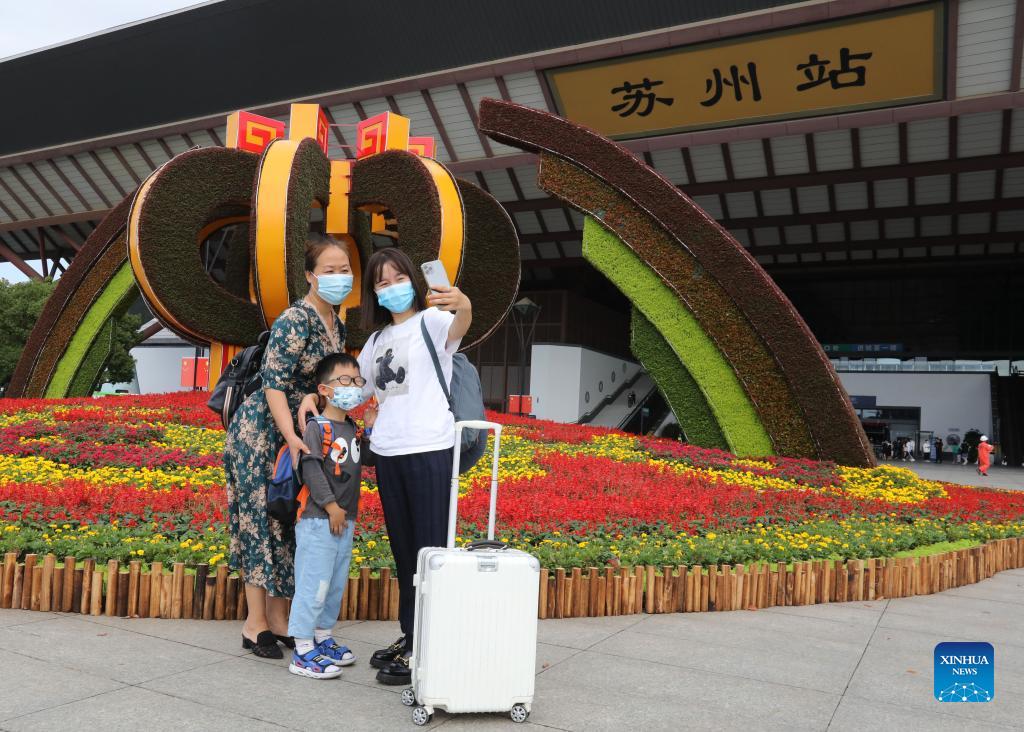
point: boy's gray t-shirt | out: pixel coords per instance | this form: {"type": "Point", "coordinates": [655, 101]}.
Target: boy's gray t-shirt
{"type": "Point", "coordinates": [319, 474]}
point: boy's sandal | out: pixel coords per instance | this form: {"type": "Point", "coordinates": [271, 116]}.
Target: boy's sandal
{"type": "Point", "coordinates": [265, 645]}
{"type": "Point", "coordinates": [314, 665]}
{"type": "Point", "coordinates": [340, 655]}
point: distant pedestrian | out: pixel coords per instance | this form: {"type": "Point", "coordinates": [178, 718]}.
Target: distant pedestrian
{"type": "Point", "coordinates": [984, 455]}
{"type": "Point", "coordinates": [938, 450]}
{"type": "Point", "coordinates": [955, 449]}
{"type": "Point", "coordinates": [911, 446]}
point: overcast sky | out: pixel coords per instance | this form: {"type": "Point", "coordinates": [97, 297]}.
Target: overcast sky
{"type": "Point", "coordinates": [27, 25]}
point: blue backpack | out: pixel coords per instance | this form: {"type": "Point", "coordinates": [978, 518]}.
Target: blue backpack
{"type": "Point", "coordinates": [286, 493]}
{"type": "Point", "coordinates": [465, 400]}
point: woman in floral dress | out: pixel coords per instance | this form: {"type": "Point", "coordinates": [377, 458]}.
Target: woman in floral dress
{"type": "Point", "coordinates": [261, 548]}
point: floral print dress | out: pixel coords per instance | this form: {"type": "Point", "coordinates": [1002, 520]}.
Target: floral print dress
{"type": "Point", "coordinates": [261, 548]}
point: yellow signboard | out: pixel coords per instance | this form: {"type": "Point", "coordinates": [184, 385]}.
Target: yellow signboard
{"type": "Point", "coordinates": [869, 61]}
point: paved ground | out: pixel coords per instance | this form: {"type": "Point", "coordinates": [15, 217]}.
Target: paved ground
{"type": "Point", "coordinates": [998, 476]}
{"type": "Point", "coordinates": [844, 666]}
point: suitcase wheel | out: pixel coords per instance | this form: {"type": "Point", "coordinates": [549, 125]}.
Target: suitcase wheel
{"type": "Point", "coordinates": [408, 697]}
{"type": "Point", "coordinates": [519, 714]}
{"type": "Point", "coordinates": [420, 716]}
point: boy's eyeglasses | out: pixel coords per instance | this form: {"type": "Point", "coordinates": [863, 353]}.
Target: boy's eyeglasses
{"type": "Point", "coordinates": [346, 380]}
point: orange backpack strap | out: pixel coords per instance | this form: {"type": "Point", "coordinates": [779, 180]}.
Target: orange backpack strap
{"type": "Point", "coordinates": [326, 440]}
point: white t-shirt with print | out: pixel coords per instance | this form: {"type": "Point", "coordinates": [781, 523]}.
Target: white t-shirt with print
{"type": "Point", "coordinates": [413, 415]}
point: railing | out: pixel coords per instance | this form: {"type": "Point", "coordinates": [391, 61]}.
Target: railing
{"type": "Point", "coordinates": [610, 397]}
{"type": "Point", "coordinates": [914, 367]}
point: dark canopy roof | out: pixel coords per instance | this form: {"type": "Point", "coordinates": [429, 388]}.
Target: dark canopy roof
{"type": "Point", "coordinates": [204, 61]}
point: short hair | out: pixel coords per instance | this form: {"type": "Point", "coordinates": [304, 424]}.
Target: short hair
{"type": "Point", "coordinates": [317, 244]}
{"type": "Point", "coordinates": [328, 363]}
{"type": "Point", "coordinates": [373, 315]}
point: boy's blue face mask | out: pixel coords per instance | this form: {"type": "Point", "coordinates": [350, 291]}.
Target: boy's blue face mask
{"type": "Point", "coordinates": [397, 298]}
{"type": "Point", "coordinates": [347, 397]}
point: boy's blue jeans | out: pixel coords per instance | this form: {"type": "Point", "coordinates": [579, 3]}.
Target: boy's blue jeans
{"type": "Point", "coordinates": [321, 575]}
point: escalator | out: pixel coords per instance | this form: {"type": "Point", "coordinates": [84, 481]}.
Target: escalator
{"type": "Point", "coordinates": [636, 406]}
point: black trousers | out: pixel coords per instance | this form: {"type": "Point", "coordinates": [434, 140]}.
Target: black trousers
{"type": "Point", "coordinates": [414, 493]}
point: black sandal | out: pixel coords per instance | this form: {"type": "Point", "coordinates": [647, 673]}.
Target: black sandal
{"type": "Point", "coordinates": [265, 645]}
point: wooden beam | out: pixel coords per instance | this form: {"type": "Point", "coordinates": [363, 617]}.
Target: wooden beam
{"type": "Point", "coordinates": [54, 220]}
{"type": "Point", "coordinates": [49, 188]}
{"type": "Point", "coordinates": [42, 252]}
{"type": "Point", "coordinates": [67, 239]}
{"type": "Point", "coordinates": [871, 244]}
{"type": "Point", "coordinates": [85, 176]}
{"type": "Point", "coordinates": [149, 331]}
{"type": "Point", "coordinates": [872, 212]}
{"type": "Point", "coordinates": [828, 177]}
{"type": "Point", "coordinates": [439, 125]}
{"type": "Point", "coordinates": [67, 182]}
{"type": "Point", "coordinates": [337, 134]}
{"type": "Point", "coordinates": [31, 191]}
{"type": "Point", "coordinates": [18, 262]}
{"type": "Point", "coordinates": [1017, 57]}
{"type": "Point", "coordinates": [467, 101]}
{"type": "Point", "coordinates": [15, 197]}
{"type": "Point", "coordinates": [106, 171]}
{"type": "Point", "coordinates": [124, 164]}
{"type": "Point", "coordinates": [952, 26]}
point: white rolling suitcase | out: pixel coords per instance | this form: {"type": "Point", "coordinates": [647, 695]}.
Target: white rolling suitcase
{"type": "Point", "coordinates": [475, 636]}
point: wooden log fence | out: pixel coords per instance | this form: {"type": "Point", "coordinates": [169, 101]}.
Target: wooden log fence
{"type": "Point", "coordinates": [80, 586]}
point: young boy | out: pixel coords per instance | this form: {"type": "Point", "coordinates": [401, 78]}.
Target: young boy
{"type": "Point", "coordinates": [323, 534]}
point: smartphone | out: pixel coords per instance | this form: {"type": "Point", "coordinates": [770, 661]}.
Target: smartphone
{"type": "Point", "coordinates": [435, 275]}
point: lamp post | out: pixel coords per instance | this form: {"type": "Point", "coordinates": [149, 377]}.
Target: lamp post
{"type": "Point", "coordinates": [524, 317]}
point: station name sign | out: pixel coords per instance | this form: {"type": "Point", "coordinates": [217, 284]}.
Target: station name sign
{"type": "Point", "coordinates": [866, 62]}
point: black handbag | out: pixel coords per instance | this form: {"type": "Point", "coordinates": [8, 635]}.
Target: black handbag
{"type": "Point", "coordinates": [240, 379]}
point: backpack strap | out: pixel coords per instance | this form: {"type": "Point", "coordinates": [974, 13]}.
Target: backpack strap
{"type": "Point", "coordinates": [326, 440]}
{"type": "Point", "coordinates": [437, 364]}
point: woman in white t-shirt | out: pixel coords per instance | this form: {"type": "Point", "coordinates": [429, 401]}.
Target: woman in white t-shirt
{"type": "Point", "coordinates": [414, 434]}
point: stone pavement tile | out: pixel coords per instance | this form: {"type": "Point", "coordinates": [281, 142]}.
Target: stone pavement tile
{"type": "Point", "coordinates": [548, 655]}
{"type": "Point", "coordinates": [1002, 587]}
{"type": "Point", "coordinates": [377, 633]}
{"type": "Point", "coordinates": [583, 632]}
{"type": "Point", "coordinates": [221, 636]}
{"type": "Point", "coordinates": [484, 722]}
{"type": "Point", "coordinates": [860, 613]}
{"type": "Point", "coordinates": [20, 617]}
{"type": "Point", "coordinates": [897, 669]}
{"type": "Point", "coordinates": [957, 617]}
{"type": "Point", "coordinates": [272, 694]}
{"type": "Point", "coordinates": [855, 715]}
{"type": "Point", "coordinates": [595, 691]}
{"type": "Point", "coordinates": [999, 476]}
{"type": "Point", "coordinates": [30, 685]}
{"type": "Point", "coordinates": [814, 665]}
{"type": "Point", "coordinates": [131, 709]}
{"type": "Point", "coordinates": [104, 651]}
{"type": "Point", "coordinates": [755, 628]}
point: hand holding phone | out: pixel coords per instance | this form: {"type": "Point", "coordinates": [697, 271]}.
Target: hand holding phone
{"type": "Point", "coordinates": [435, 275]}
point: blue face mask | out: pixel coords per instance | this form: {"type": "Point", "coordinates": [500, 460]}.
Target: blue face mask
{"type": "Point", "coordinates": [347, 397]}
{"type": "Point", "coordinates": [333, 288]}
{"type": "Point", "coordinates": [397, 298]}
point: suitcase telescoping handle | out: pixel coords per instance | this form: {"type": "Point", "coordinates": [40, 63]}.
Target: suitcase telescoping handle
{"type": "Point", "coordinates": [453, 505]}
